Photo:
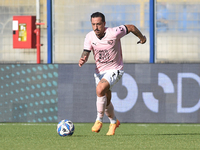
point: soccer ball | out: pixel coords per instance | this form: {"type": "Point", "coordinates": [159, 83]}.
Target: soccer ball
{"type": "Point", "coordinates": [65, 128]}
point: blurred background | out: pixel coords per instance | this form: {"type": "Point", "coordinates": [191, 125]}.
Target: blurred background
{"type": "Point", "coordinates": [177, 29]}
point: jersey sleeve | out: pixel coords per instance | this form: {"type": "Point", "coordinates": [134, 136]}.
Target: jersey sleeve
{"type": "Point", "coordinates": [120, 31]}
{"type": "Point", "coordinates": [87, 42]}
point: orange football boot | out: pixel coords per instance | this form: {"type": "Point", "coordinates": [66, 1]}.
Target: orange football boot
{"type": "Point", "coordinates": [97, 126]}
{"type": "Point", "coordinates": [112, 128]}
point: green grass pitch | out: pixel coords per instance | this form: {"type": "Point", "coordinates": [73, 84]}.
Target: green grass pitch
{"type": "Point", "coordinates": [129, 136]}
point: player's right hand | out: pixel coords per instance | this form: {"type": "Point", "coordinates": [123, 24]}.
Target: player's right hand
{"type": "Point", "coordinates": [143, 40]}
{"type": "Point", "coordinates": [82, 61]}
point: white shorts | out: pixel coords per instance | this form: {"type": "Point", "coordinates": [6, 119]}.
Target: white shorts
{"type": "Point", "coordinates": [112, 76]}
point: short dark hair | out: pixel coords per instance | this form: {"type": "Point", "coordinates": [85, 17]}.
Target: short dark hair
{"type": "Point", "coordinates": [98, 14]}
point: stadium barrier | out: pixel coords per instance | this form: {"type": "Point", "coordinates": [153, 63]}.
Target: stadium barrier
{"type": "Point", "coordinates": [147, 93]}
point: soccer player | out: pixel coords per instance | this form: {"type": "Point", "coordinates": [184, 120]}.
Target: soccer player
{"type": "Point", "coordinates": [105, 44]}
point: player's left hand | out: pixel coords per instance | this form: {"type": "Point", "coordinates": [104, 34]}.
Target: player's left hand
{"type": "Point", "coordinates": [142, 41]}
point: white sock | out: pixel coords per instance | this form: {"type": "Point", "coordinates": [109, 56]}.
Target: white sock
{"type": "Point", "coordinates": [101, 105]}
{"type": "Point", "coordinates": [110, 113]}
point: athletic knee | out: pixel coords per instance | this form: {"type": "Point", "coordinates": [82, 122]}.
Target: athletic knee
{"type": "Point", "coordinates": [100, 91]}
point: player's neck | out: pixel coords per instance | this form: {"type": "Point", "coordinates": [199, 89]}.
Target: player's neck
{"type": "Point", "coordinates": [101, 36]}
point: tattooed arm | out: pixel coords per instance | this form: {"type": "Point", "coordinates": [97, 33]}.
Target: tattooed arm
{"type": "Point", "coordinates": [84, 57]}
{"type": "Point", "coordinates": [136, 32]}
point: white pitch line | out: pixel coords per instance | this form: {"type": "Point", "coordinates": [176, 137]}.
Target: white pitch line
{"type": "Point", "coordinates": [176, 125]}
{"type": "Point", "coordinates": [32, 124]}
{"type": "Point", "coordinates": [82, 124]}
{"type": "Point", "coordinates": [26, 124]}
